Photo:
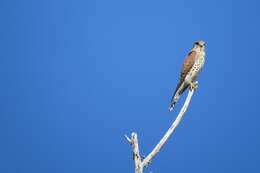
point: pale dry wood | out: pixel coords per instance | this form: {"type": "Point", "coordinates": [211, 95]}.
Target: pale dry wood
{"type": "Point", "coordinates": [136, 155]}
{"type": "Point", "coordinates": [128, 139]}
{"type": "Point", "coordinates": [157, 148]}
{"type": "Point", "coordinates": [139, 164]}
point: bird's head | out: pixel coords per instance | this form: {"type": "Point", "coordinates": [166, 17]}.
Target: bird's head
{"type": "Point", "coordinates": [199, 45]}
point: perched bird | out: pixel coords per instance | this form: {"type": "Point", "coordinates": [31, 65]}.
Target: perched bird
{"type": "Point", "coordinates": [190, 70]}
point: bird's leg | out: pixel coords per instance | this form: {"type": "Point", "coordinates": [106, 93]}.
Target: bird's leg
{"type": "Point", "coordinates": [194, 85]}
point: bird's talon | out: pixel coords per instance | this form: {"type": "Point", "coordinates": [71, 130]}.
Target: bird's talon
{"type": "Point", "coordinates": [193, 85]}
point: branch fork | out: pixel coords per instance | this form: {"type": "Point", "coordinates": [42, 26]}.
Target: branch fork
{"type": "Point", "coordinates": [141, 162]}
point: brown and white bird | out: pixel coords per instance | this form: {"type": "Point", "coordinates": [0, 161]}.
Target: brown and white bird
{"type": "Point", "coordinates": [190, 70]}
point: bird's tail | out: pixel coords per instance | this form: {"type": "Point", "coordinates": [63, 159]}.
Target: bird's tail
{"type": "Point", "coordinates": [175, 98]}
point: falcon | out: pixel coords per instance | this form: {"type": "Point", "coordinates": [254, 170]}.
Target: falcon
{"type": "Point", "coordinates": [190, 70]}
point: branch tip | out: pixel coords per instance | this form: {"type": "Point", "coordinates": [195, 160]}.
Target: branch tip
{"type": "Point", "coordinates": [128, 139]}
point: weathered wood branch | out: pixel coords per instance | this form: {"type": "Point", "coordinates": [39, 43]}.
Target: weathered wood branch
{"type": "Point", "coordinates": [136, 155]}
{"type": "Point", "coordinates": [157, 148]}
{"type": "Point", "coordinates": [139, 164]}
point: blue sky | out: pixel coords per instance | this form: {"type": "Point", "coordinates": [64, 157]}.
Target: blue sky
{"type": "Point", "coordinates": [78, 75]}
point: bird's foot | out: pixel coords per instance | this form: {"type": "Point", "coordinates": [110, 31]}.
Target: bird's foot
{"type": "Point", "coordinates": [194, 85]}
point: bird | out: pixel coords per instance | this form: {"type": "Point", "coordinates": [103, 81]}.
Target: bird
{"type": "Point", "coordinates": [191, 68]}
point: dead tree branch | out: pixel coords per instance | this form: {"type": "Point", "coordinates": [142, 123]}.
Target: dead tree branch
{"type": "Point", "coordinates": [139, 163]}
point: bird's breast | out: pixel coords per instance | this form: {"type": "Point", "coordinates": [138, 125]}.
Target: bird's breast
{"type": "Point", "coordinates": [195, 70]}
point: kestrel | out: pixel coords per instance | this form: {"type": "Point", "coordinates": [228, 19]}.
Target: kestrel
{"type": "Point", "coordinates": [190, 70]}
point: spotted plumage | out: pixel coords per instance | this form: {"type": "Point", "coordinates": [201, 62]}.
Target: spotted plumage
{"type": "Point", "coordinates": [190, 70]}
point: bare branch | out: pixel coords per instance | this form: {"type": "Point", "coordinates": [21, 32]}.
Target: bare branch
{"type": "Point", "coordinates": [136, 154]}
{"type": "Point", "coordinates": [157, 148]}
{"type": "Point", "coordinates": [128, 139]}
{"type": "Point", "coordinates": [139, 163]}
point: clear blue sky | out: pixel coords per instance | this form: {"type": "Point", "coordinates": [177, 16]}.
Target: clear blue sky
{"type": "Point", "coordinates": [78, 75]}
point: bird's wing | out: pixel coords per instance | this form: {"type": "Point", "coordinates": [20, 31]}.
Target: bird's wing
{"type": "Point", "coordinates": [186, 67]}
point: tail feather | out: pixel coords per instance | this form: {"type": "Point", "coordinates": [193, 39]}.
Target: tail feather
{"type": "Point", "coordinates": [174, 101]}
{"type": "Point", "coordinates": [171, 106]}
{"type": "Point", "coordinates": [179, 90]}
